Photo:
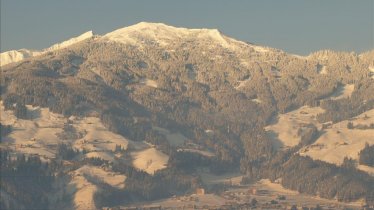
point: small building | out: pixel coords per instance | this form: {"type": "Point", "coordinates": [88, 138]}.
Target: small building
{"type": "Point", "coordinates": [200, 191]}
{"type": "Point", "coordinates": [252, 191]}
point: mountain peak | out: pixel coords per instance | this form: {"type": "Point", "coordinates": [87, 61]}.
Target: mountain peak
{"type": "Point", "coordinates": [163, 26]}
{"type": "Point", "coordinates": [154, 25]}
{"type": "Point", "coordinates": [148, 32]}
{"type": "Point", "coordinates": [71, 41]}
{"type": "Point", "coordinates": [159, 34]}
{"type": "Point", "coordinates": [18, 55]}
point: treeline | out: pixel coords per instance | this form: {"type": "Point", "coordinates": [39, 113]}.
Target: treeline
{"type": "Point", "coordinates": [360, 126]}
{"type": "Point", "coordinates": [366, 155]}
{"type": "Point", "coordinates": [339, 110]}
{"type": "Point", "coordinates": [4, 131]}
{"type": "Point", "coordinates": [327, 180]}
{"type": "Point", "coordinates": [189, 161]}
{"type": "Point", "coordinates": [69, 132]}
{"type": "Point", "coordinates": [308, 134]}
{"type": "Point", "coordinates": [40, 91]}
{"type": "Point", "coordinates": [177, 179]}
{"type": "Point", "coordinates": [26, 181]}
{"type": "Point", "coordinates": [155, 138]}
{"type": "Point", "coordinates": [66, 152]}
{"type": "Point", "coordinates": [343, 109]}
{"type": "Point", "coordinates": [141, 186]}
{"type": "Point", "coordinates": [122, 122]}
{"type": "Point", "coordinates": [16, 104]}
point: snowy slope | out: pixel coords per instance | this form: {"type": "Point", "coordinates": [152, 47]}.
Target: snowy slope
{"type": "Point", "coordinates": [70, 42]}
{"type": "Point", "coordinates": [371, 70]}
{"type": "Point", "coordinates": [18, 55]}
{"type": "Point", "coordinates": [159, 34]}
{"type": "Point", "coordinates": [86, 182]}
{"type": "Point", "coordinates": [335, 142]}
{"type": "Point", "coordinates": [39, 135]}
{"type": "Point", "coordinates": [149, 160]}
{"type": "Point", "coordinates": [287, 125]}
{"type": "Point", "coordinates": [144, 34]}
{"type": "Point", "coordinates": [338, 141]}
{"type": "Point", "coordinates": [344, 91]}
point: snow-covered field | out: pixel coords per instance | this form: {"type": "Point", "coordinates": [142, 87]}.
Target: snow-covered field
{"type": "Point", "coordinates": [367, 169]}
{"type": "Point", "coordinates": [35, 136]}
{"type": "Point", "coordinates": [97, 138]}
{"type": "Point", "coordinates": [100, 175]}
{"type": "Point", "coordinates": [338, 141]}
{"type": "Point", "coordinates": [40, 135]}
{"type": "Point", "coordinates": [149, 160]}
{"type": "Point", "coordinates": [344, 91]}
{"type": "Point", "coordinates": [86, 182]}
{"type": "Point", "coordinates": [284, 131]}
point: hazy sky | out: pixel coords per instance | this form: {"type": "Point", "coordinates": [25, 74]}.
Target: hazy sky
{"type": "Point", "coordinates": [296, 26]}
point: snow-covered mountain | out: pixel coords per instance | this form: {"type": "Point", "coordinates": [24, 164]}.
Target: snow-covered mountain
{"type": "Point", "coordinates": [150, 111]}
{"type": "Point", "coordinates": [163, 35]}
{"type": "Point", "coordinates": [18, 55]}
{"type": "Point", "coordinates": [146, 34]}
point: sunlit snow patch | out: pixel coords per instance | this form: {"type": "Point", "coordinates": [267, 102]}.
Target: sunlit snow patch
{"type": "Point", "coordinates": [149, 83]}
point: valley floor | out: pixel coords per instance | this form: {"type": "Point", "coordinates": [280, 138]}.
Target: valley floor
{"type": "Point", "coordinates": [267, 194]}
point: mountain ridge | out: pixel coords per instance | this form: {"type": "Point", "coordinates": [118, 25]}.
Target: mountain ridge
{"type": "Point", "coordinates": [197, 107]}
{"type": "Point", "coordinates": [149, 32]}
{"type": "Point", "coordinates": [12, 56]}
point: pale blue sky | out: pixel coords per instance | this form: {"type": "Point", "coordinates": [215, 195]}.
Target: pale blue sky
{"type": "Point", "coordinates": [296, 26]}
